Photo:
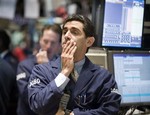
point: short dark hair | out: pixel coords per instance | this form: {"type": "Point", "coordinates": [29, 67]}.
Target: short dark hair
{"type": "Point", "coordinates": [88, 26]}
{"type": "Point", "coordinates": [55, 27]}
{"type": "Point", "coordinates": [4, 39]}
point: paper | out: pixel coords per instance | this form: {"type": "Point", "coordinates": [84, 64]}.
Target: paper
{"type": "Point", "coordinates": [7, 9]}
{"type": "Point", "coordinates": [32, 9]}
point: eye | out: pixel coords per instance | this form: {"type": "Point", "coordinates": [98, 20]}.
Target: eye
{"type": "Point", "coordinates": [46, 41]}
{"type": "Point", "coordinates": [64, 32]}
{"type": "Point", "coordinates": [54, 42]}
{"type": "Point", "coordinates": [75, 32]}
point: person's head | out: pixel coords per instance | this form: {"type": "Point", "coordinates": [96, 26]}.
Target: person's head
{"type": "Point", "coordinates": [50, 39]}
{"type": "Point", "coordinates": [4, 40]}
{"type": "Point", "coordinates": [79, 29]}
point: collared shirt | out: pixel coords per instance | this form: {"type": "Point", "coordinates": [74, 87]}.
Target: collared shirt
{"type": "Point", "coordinates": [61, 80]}
{"type": "Point", "coordinates": [79, 65]}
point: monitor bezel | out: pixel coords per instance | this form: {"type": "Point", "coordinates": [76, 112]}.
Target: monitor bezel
{"type": "Point", "coordinates": [103, 2]}
{"type": "Point", "coordinates": [110, 66]}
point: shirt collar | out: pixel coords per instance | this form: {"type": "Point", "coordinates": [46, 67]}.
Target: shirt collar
{"type": "Point", "coordinates": [79, 65]}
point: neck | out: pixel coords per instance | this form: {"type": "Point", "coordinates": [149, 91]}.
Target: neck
{"type": "Point", "coordinates": [78, 59]}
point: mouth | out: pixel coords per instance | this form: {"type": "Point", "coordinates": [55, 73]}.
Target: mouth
{"type": "Point", "coordinates": [49, 51]}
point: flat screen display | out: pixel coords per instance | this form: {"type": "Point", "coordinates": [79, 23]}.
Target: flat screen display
{"type": "Point", "coordinates": [132, 74]}
{"type": "Point", "coordinates": [122, 23]}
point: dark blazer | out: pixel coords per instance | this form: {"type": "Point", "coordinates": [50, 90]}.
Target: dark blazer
{"type": "Point", "coordinates": [7, 84]}
{"type": "Point", "coordinates": [23, 74]}
{"type": "Point", "coordinates": [12, 60]}
{"type": "Point", "coordinates": [94, 93]}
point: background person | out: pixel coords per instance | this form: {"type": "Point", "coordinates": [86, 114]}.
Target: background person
{"type": "Point", "coordinates": [7, 86]}
{"type": "Point", "coordinates": [5, 51]}
{"type": "Point", "coordinates": [49, 49]}
{"type": "Point", "coordinates": [7, 55]}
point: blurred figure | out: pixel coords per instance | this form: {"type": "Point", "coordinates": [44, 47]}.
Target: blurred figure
{"type": "Point", "coordinates": [61, 12]}
{"type": "Point", "coordinates": [5, 52]}
{"type": "Point", "coordinates": [19, 53]}
{"type": "Point", "coordinates": [7, 55]}
{"type": "Point", "coordinates": [7, 84]}
{"type": "Point", "coordinates": [21, 42]}
{"type": "Point", "coordinates": [48, 49]}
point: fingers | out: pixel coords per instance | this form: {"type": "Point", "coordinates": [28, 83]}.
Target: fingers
{"type": "Point", "coordinates": [42, 57]}
{"type": "Point", "coordinates": [65, 47]}
{"type": "Point", "coordinates": [60, 112]}
{"type": "Point", "coordinates": [69, 48]}
{"type": "Point", "coordinates": [40, 50]}
{"type": "Point", "coordinates": [73, 50]}
{"type": "Point", "coordinates": [41, 54]}
{"type": "Point", "coordinates": [67, 57]}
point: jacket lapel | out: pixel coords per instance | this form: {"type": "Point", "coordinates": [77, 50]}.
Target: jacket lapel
{"type": "Point", "coordinates": [85, 76]}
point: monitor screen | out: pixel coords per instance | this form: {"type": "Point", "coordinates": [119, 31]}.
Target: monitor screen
{"type": "Point", "coordinates": [122, 23]}
{"type": "Point", "coordinates": [132, 73]}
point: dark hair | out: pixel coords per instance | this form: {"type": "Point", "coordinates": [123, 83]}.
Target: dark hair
{"type": "Point", "coordinates": [4, 39]}
{"type": "Point", "coordinates": [88, 27]}
{"type": "Point", "coordinates": [55, 27]}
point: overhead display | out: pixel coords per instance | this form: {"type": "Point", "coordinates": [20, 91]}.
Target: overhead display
{"type": "Point", "coordinates": [123, 23]}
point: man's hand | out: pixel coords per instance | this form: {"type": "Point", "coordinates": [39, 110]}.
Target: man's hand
{"type": "Point", "coordinates": [41, 57]}
{"type": "Point", "coordinates": [71, 113]}
{"type": "Point", "coordinates": [67, 57]}
{"type": "Point", "coordinates": [60, 112]}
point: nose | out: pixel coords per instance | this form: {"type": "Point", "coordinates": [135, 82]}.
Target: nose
{"type": "Point", "coordinates": [48, 46]}
{"type": "Point", "coordinates": [67, 36]}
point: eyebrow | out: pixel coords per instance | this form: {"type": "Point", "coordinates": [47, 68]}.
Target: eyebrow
{"type": "Point", "coordinates": [73, 28]}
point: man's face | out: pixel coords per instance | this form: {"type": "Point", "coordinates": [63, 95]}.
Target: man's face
{"type": "Point", "coordinates": [73, 31]}
{"type": "Point", "coordinates": [50, 43]}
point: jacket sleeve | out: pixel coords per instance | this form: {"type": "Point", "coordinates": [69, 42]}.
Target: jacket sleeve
{"type": "Point", "coordinates": [43, 94]}
{"type": "Point", "coordinates": [22, 81]}
{"type": "Point", "coordinates": [108, 98]}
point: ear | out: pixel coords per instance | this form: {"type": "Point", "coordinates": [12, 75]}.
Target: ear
{"type": "Point", "coordinates": [90, 41]}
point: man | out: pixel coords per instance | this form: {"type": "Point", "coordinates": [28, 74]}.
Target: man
{"type": "Point", "coordinates": [92, 92]}
{"type": "Point", "coordinates": [5, 52]}
{"type": "Point", "coordinates": [7, 84]}
{"type": "Point", "coordinates": [7, 55]}
{"type": "Point", "coordinates": [50, 46]}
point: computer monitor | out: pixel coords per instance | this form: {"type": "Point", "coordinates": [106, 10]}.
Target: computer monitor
{"type": "Point", "coordinates": [132, 74]}
{"type": "Point", "coordinates": [122, 24]}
